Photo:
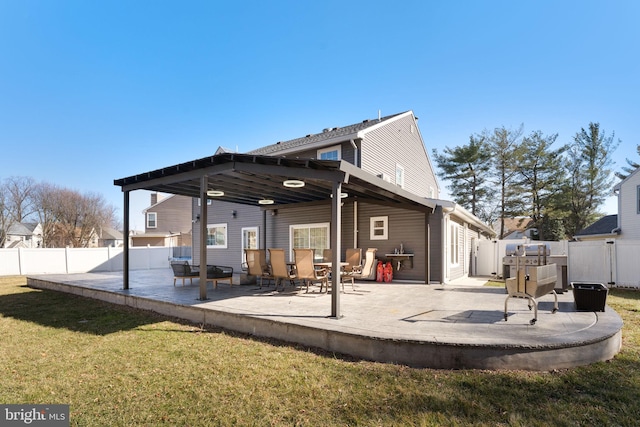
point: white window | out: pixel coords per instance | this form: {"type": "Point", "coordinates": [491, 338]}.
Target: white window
{"type": "Point", "coordinates": [152, 219]}
{"type": "Point", "coordinates": [379, 228]}
{"type": "Point", "coordinates": [399, 176]}
{"type": "Point", "coordinates": [217, 236]}
{"type": "Point", "coordinates": [454, 245]}
{"type": "Point", "coordinates": [249, 240]}
{"type": "Point", "coordinates": [330, 153]}
{"type": "Point", "coordinates": [309, 236]}
{"type": "Point", "coordinates": [638, 199]}
{"type": "Point", "coordinates": [208, 202]}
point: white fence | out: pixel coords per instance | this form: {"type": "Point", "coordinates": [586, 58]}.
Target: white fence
{"type": "Point", "coordinates": [613, 263]}
{"type": "Point", "coordinates": [80, 260]}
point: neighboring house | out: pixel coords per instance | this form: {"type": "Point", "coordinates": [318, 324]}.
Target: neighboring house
{"type": "Point", "coordinates": [167, 222]}
{"type": "Point", "coordinates": [628, 191]}
{"type": "Point", "coordinates": [24, 235]}
{"type": "Point", "coordinates": [604, 228]}
{"type": "Point", "coordinates": [515, 228]}
{"type": "Point", "coordinates": [626, 224]}
{"type": "Point", "coordinates": [109, 237]}
{"type": "Point", "coordinates": [389, 199]}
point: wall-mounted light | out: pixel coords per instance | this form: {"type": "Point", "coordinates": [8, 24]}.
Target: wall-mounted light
{"type": "Point", "coordinates": [234, 213]}
{"type": "Point", "coordinates": [293, 183]}
{"type": "Point", "coordinates": [274, 212]}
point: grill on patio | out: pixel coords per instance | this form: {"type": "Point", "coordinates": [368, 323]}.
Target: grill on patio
{"type": "Point", "coordinates": [534, 277]}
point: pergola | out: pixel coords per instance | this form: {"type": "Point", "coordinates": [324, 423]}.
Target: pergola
{"type": "Point", "coordinates": [248, 179]}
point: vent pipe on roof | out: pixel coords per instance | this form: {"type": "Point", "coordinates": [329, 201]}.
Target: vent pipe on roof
{"type": "Point", "coordinates": [379, 115]}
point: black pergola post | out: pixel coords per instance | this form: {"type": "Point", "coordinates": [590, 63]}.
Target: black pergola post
{"type": "Point", "coordinates": [336, 230]}
{"type": "Point", "coordinates": [125, 257]}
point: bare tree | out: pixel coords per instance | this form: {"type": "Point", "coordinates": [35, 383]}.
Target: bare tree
{"type": "Point", "coordinates": [20, 196]}
{"type": "Point", "coordinates": [69, 218]}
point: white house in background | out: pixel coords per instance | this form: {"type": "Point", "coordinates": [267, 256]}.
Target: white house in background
{"type": "Point", "coordinates": [628, 191]}
{"type": "Point", "coordinates": [24, 235]}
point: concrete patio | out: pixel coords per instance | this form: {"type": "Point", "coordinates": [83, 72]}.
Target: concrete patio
{"type": "Point", "coordinates": [452, 326]}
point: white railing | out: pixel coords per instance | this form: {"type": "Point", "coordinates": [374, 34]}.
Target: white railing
{"type": "Point", "coordinates": [22, 261]}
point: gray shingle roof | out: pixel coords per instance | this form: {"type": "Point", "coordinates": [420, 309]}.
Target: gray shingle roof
{"type": "Point", "coordinates": [604, 225]}
{"type": "Point", "coordinates": [326, 135]}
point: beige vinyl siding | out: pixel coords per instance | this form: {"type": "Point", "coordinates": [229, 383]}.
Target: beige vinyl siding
{"type": "Point", "coordinates": [173, 215]}
{"type": "Point", "coordinates": [395, 143]}
{"type": "Point", "coordinates": [406, 227]}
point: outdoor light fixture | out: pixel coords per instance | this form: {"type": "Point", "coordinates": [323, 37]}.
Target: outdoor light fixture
{"type": "Point", "coordinates": [215, 193]}
{"type": "Point", "coordinates": [234, 213]}
{"type": "Point", "coordinates": [265, 202]}
{"type": "Point", "coordinates": [293, 183]}
{"type": "Point", "coordinates": [342, 195]}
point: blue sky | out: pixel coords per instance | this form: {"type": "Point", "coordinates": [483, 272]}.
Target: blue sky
{"type": "Point", "coordinates": [92, 91]}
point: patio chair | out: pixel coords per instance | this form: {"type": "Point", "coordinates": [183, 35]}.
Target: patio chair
{"type": "Point", "coordinates": [327, 255]}
{"type": "Point", "coordinates": [306, 271]}
{"type": "Point", "coordinates": [354, 266]}
{"type": "Point", "coordinates": [217, 273]}
{"type": "Point", "coordinates": [183, 270]}
{"type": "Point", "coordinates": [257, 264]}
{"type": "Point", "coordinates": [279, 268]}
{"type": "Point", "coordinates": [367, 271]}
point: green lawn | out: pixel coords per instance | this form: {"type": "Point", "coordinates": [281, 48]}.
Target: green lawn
{"type": "Point", "coordinates": [116, 366]}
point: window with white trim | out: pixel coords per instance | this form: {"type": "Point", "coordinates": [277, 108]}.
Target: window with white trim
{"type": "Point", "coordinates": [638, 199]}
{"type": "Point", "coordinates": [379, 228]}
{"type": "Point", "coordinates": [454, 245]}
{"type": "Point", "coordinates": [330, 153]}
{"type": "Point", "coordinates": [309, 236]}
{"type": "Point", "coordinates": [208, 201]}
{"type": "Point", "coordinates": [400, 176]}
{"type": "Point", "coordinates": [152, 219]}
{"type": "Point", "coordinates": [217, 236]}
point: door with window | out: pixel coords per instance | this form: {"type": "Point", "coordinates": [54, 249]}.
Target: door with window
{"type": "Point", "coordinates": [249, 240]}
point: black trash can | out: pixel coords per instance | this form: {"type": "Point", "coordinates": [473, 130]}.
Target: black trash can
{"type": "Point", "coordinates": [589, 296]}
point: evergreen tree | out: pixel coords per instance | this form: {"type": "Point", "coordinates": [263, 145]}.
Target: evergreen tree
{"type": "Point", "coordinates": [541, 176]}
{"type": "Point", "coordinates": [632, 166]}
{"type": "Point", "coordinates": [589, 167]}
{"type": "Point", "coordinates": [467, 170]}
{"type": "Point", "coordinates": [506, 151]}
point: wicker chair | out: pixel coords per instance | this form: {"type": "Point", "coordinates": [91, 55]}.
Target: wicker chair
{"type": "Point", "coordinates": [183, 270]}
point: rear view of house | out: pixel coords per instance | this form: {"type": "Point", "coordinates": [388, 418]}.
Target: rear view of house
{"type": "Point", "coordinates": [280, 196]}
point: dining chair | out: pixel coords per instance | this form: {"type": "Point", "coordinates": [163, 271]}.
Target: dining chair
{"type": "Point", "coordinates": [279, 268]}
{"type": "Point", "coordinates": [327, 255]}
{"type": "Point", "coordinates": [354, 266]}
{"type": "Point", "coordinates": [366, 272]}
{"type": "Point", "coordinates": [257, 264]}
{"type": "Point", "coordinates": [306, 271]}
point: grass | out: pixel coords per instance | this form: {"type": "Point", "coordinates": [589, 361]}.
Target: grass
{"type": "Point", "coordinates": [116, 366]}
